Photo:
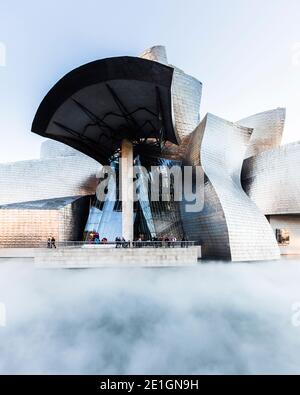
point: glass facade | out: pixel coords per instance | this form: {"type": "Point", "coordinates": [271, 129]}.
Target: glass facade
{"type": "Point", "coordinates": [152, 219]}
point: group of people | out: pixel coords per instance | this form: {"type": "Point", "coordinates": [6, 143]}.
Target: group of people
{"type": "Point", "coordinates": [94, 237]}
{"type": "Point", "coordinates": [121, 242]}
{"type": "Point", "coordinates": [169, 241]}
{"type": "Point", "coordinates": [140, 241]}
{"type": "Point", "coordinates": [51, 242]}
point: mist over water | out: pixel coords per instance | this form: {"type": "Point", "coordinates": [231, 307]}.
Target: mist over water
{"type": "Point", "coordinates": [234, 318]}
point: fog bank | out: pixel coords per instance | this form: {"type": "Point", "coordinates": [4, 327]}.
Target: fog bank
{"type": "Point", "coordinates": [210, 319]}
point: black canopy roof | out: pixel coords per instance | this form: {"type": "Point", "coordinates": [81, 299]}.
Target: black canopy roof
{"type": "Point", "coordinates": [94, 107]}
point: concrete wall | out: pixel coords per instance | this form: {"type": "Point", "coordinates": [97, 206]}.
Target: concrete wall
{"type": "Point", "coordinates": [115, 257]}
{"type": "Point", "coordinates": [19, 253]}
{"type": "Point", "coordinates": [292, 224]}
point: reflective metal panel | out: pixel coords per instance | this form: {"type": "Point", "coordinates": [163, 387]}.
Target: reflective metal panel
{"type": "Point", "coordinates": [30, 224]}
{"type": "Point", "coordinates": [47, 179]}
{"type": "Point", "coordinates": [272, 181]}
{"type": "Point", "coordinates": [186, 93]}
{"type": "Point", "coordinates": [267, 130]}
{"type": "Point", "coordinates": [53, 149]}
{"type": "Point", "coordinates": [234, 223]}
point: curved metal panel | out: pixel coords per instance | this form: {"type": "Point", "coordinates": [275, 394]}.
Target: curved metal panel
{"type": "Point", "coordinates": [29, 224]}
{"type": "Point", "coordinates": [267, 130]}
{"type": "Point", "coordinates": [48, 179]}
{"type": "Point", "coordinates": [230, 225]}
{"type": "Point", "coordinates": [52, 149]}
{"type": "Point", "coordinates": [157, 53]}
{"type": "Point", "coordinates": [186, 94]}
{"type": "Point", "coordinates": [271, 179]}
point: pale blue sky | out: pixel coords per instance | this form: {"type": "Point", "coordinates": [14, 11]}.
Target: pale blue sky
{"type": "Point", "coordinates": [242, 51]}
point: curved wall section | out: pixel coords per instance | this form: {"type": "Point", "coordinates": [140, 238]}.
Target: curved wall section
{"type": "Point", "coordinates": [207, 227]}
{"type": "Point", "coordinates": [230, 226]}
{"type": "Point", "coordinates": [267, 130]}
{"type": "Point", "coordinates": [186, 93]}
{"type": "Point", "coordinates": [53, 149]}
{"type": "Point", "coordinates": [271, 179]}
{"type": "Point", "coordinates": [157, 53]}
{"type": "Point", "coordinates": [47, 179]}
{"type": "Point", "coordinates": [29, 224]}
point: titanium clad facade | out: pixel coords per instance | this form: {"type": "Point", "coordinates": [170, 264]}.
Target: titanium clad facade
{"type": "Point", "coordinates": [33, 196]}
{"type": "Point", "coordinates": [27, 228]}
{"type": "Point", "coordinates": [229, 219]}
{"type": "Point", "coordinates": [267, 130]}
{"type": "Point", "coordinates": [186, 94]}
{"type": "Point", "coordinates": [271, 180]}
{"type": "Point", "coordinates": [158, 109]}
{"type": "Point", "coordinates": [53, 149]}
{"type": "Point", "coordinates": [47, 178]}
{"type": "Point", "coordinates": [208, 227]}
{"type": "Point", "coordinates": [30, 224]}
{"type": "Point", "coordinates": [157, 53]}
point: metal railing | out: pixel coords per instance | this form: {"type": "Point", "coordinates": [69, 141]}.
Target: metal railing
{"type": "Point", "coordinates": [115, 244]}
{"type": "Point", "coordinates": [126, 244]}
{"type": "Point", "coordinates": [23, 245]}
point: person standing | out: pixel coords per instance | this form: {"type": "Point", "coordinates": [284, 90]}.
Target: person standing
{"type": "Point", "coordinates": [174, 242]}
{"type": "Point", "coordinates": [53, 245]}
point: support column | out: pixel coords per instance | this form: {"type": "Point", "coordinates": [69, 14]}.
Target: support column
{"type": "Point", "coordinates": [126, 174]}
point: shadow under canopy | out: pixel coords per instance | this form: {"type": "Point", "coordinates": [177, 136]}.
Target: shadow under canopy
{"type": "Point", "coordinates": [96, 106]}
